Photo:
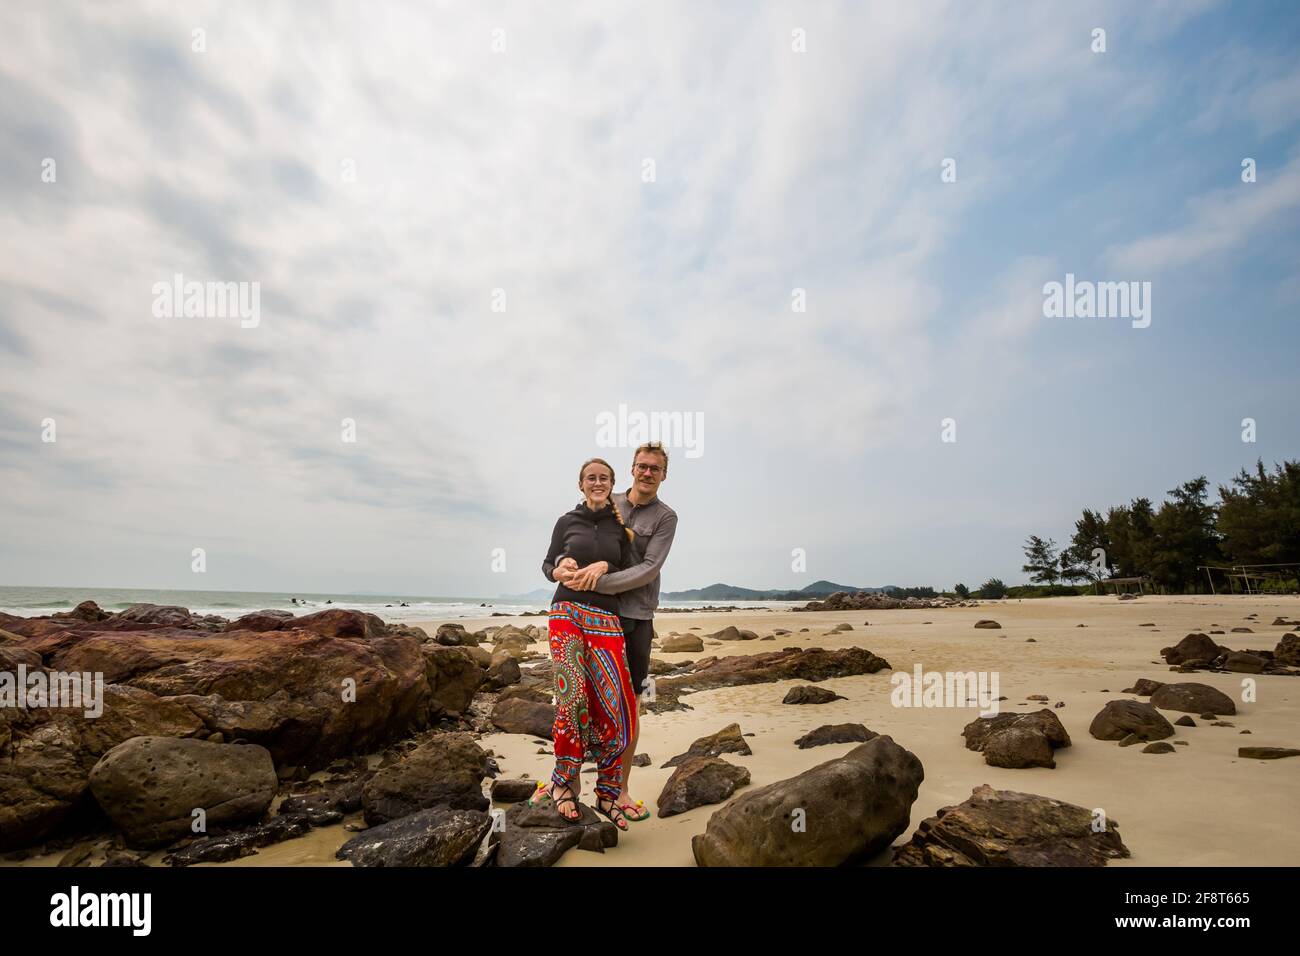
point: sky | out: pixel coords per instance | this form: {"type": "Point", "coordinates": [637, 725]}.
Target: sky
{"type": "Point", "coordinates": [819, 232]}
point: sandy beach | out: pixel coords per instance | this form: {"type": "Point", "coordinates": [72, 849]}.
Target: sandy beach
{"type": "Point", "coordinates": [1179, 809]}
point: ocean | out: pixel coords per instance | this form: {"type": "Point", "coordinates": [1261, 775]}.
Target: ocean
{"type": "Point", "coordinates": [36, 602]}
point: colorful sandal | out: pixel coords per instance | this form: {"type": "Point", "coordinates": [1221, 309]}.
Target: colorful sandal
{"type": "Point", "coordinates": [619, 821]}
{"type": "Point", "coordinates": [639, 807]}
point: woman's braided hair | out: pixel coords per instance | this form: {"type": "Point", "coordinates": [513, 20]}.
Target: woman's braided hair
{"type": "Point", "coordinates": [631, 535]}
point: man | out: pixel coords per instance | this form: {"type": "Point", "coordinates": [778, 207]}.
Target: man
{"type": "Point", "coordinates": [654, 524]}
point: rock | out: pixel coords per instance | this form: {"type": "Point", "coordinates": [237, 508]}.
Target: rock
{"type": "Point", "coordinates": [1193, 698]}
{"type": "Point", "coordinates": [1288, 650]}
{"type": "Point", "coordinates": [454, 676]}
{"type": "Point", "coordinates": [325, 806]}
{"type": "Point", "coordinates": [1242, 630]}
{"type": "Point", "coordinates": [1130, 740]}
{"type": "Point", "coordinates": [699, 781]}
{"type": "Point", "coordinates": [1184, 721]}
{"type": "Point", "coordinates": [810, 695]}
{"type": "Point", "coordinates": [1119, 718]}
{"type": "Point", "coordinates": [455, 635]}
{"type": "Point", "coordinates": [518, 716]}
{"type": "Point", "coordinates": [1242, 662]}
{"type": "Point", "coordinates": [1267, 753]}
{"type": "Point", "coordinates": [728, 740]}
{"type": "Point", "coordinates": [988, 625]}
{"type": "Point", "coordinates": [641, 760]}
{"type": "Point", "coordinates": [151, 786]}
{"type": "Point", "coordinates": [241, 843]}
{"type": "Point", "coordinates": [841, 627]}
{"type": "Point", "coordinates": [512, 791]}
{"type": "Point", "coordinates": [436, 837]}
{"type": "Point", "coordinates": [539, 836]}
{"type": "Point", "coordinates": [1008, 828]}
{"type": "Point", "coordinates": [446, 770]}
{"type": "Point", "coordinates": [1017, 740]}
{"type": "Point", "coordinates": [85, 611]}
{"type": "Point", "coordinates": [813, 664]}
{"type": "Point", "coordinates": [682, 644]}
{"type": "Point", "coordinates": [836, 734]}
{"type": "Point", "coordinates": [1223, 723]}
{"type": "Point", "coordinates": [1143, 687]}
{"type": "Point", "coordinates": [854, 808]}
{"type": "Point", "coordinates": [1159, 747]}
{"type": "Point", "coordinates": [1192, 647]}
{"type": "Point", "coordinates": [502, 672]}
{"type": "Point", "coordinates": [733, 633]}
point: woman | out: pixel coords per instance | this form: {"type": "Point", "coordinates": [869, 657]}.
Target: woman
{"type": "Point", "coordinates": [595, 707]}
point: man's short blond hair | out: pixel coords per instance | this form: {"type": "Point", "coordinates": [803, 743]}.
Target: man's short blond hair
{"type": "Point", "coordinates": [654, 447]}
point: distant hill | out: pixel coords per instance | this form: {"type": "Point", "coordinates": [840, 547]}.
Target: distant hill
{"type": "Point", "coordinates": [731, 592]}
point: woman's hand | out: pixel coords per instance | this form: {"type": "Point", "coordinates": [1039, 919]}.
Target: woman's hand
{"type": "Point", "coordinates": [564, 570]}
{"type": "Point", "coordinates": [585, 579]}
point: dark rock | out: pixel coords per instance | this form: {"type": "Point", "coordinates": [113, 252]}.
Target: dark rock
{"type": "Point", "coordinates": [806, 694]}
{"type": "Point", "coordinates": [1017, 740]}
{"type": "Point", "coordinates": [1184, 721]}
{"type": "Point", "coordinates": [842, 811]}
{"type": "Point", "coordinates": [539, 836]}
{"type": "Point", "coordinates": [1192, 647]}
{"type": "Point", "coordinates": [436, 837]}
{"type": "Point", "coordinates": [988, 625]}
{"type": "Point", "coordinates": [241, 843]}
{"type": "Point", "coordinates": [445, 771]}
{"type": "Point", "coordinates": [728, 740]}
{"type": "Point", "coordinates": [517, 716]}
{"type": "Point", "coordinates": [1193, 698]}
{"type": "Point", "coordinates": [1159, 747]}
{"type": "Point", "coordinates": [1119, 718]}
{"type": "Point", "coordinates": [512, 791]}
{"type": "Point", "coordinates": [1143, 687]}
{"type": "Point", "coordinates": [1267, 753]}
{"type": "Point", "coordinates": [151, 786]}
{"type": "Point", "coordinates": [1007, 828]}
{"type": "Point", "coordinates": [682, 644]}
{"type": "Point", "coordinates": [836, 734]}
{"type": "Point", "coordinates": [699, 781]}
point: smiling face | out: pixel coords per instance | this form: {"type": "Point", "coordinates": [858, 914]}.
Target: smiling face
{"type": "Point", "coordinates": [596, 482]}
{"type": "Point", "coordinates": [649, 469]}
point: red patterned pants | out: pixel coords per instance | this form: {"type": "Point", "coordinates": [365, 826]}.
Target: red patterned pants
{"type": "Point", "coordinates": [595, 707]}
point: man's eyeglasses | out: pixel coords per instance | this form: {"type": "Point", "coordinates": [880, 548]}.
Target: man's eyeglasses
{"type": "Point", "coordinates": [648, 469]}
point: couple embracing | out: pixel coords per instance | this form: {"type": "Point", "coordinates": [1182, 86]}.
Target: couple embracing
{"type": "Point", "coordinates": [605, 555]}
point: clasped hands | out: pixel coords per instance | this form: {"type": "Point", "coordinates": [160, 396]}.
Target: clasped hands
{"type": "Point", "coordinates": [568, 573]}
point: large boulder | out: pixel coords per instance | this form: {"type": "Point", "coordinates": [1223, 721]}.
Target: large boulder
{"type": "Point", "coordinates": [732, 633]}
{"type": "Point", "coordinates": [1007, 828]}
{"type": "Point", "coordinates": [46, 755]}
{"type": "Point", "coordinates": [1288, 650]}
{"type": "Point", "coordinates": [1193, 699]}
{"type": "Point", "coordinates": [150, 787]}
{"type": "Point", "coordinates": [699, 781]}
{"type": "Point", "coordinates": [841, 811]}
{"type": "Point", "coordinates": [437, 837]}
{"type": "Point", "coordinates": [455, 635]}
{"type": "Point", "coordinates": [446, 770]}
{"type": "Point", "coordinates": [1119, 718]}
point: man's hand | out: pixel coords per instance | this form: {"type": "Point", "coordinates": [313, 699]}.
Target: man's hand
{"type": "Point", "coordinates": [585, 579]}
{"type": "Point", "coordinates": [564, 570]}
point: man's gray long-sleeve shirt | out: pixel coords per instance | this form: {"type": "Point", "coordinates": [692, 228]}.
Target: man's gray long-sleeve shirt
{"type": "Point", "coordinates": [638, 587]}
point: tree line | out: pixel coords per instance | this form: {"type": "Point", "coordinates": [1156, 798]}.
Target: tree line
{"type": "Point", "coordinates": [1256, 520]}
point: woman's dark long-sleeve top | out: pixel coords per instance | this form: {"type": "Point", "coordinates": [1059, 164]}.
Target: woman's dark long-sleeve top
{"type": "Point", "coordinates": [588, 536]}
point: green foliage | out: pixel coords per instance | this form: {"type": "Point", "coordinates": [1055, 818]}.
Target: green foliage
{"type": "Point", "coordinates": [992, 589]}
{"type": "Point", "coordinates": [961, 591]}
{"type": "Point", "coordinates": [1041, 560]}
